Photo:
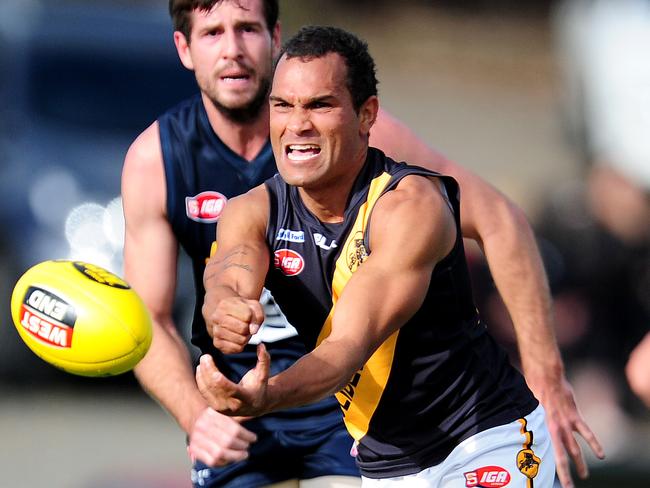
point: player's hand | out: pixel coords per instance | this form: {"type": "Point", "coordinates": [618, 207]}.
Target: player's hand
{"type": "Point", "coordinates": [563, 420]}
{"type": "Point", "coordinates": [232, 321]}
{"type": "Point", "coordinates": [217, 439]}
{"type": "Point", "coordinates": [246, 398]}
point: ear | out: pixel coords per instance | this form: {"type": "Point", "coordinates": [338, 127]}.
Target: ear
{"type": "Point", "coordinates": [276, 40]}
{"type": "Point", "coordinates": [368, 114]}
{"type": "Point", "coordinates": [183, 50]}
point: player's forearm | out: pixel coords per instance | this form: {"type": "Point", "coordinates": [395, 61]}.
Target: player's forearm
{"type": "Point", "coordinates": [518, 272]}
{"type": "Point", "coordinates": [236, 273]}
{"type": "Point", "coordinates": [167, 376]}
{"type": "Point", "coordinates": [217, 284]}
{"type": "Point", "coordinates": [317, 375]}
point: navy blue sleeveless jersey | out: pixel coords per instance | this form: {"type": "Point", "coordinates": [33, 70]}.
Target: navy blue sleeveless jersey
{"type": "Point", "coordinates": [202, 173]}
{"type": "Point", "coordinates": [436, 381]}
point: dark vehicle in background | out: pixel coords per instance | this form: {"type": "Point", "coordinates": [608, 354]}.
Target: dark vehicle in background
{"type": "Point", "coordinates": [78, 82]}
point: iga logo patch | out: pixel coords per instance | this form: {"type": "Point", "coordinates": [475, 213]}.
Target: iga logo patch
{"type": "Point", "coordinates": [487, 477]}
{"type": "Point", "coordinates": [47, 317]}
{"type": "Point", "coordinates": [289, 262]}
{"type": "Point", "coordinates": [206, 207]}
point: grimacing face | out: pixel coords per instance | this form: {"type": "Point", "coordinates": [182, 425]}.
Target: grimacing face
{"type": "Point", "coordinates": [317, 136]}
{"type": "Point", "coordinates": [231, 52]}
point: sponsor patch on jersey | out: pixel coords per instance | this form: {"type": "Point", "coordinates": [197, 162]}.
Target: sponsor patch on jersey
{"type": "Point", "coordinates": [290, 235]}
{"type": "Point", "coordinates": [528, 463]}
{"type": "Point", "coordinates": [321, 241]}
{"type": "Point", "coordinates": [487, 477]}
{"type": "Point", "coordinates": [47, 317]}
{"type": "Point", "coordinates": [206, 207]}
{"type": "Point", "coordinates": [289, 262]}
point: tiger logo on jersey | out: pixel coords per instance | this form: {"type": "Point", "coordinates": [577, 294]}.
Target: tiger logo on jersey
{"type": "Point", "coordinates": [356, 252]}
{"type": "Point", "coordinates": [528, 463]}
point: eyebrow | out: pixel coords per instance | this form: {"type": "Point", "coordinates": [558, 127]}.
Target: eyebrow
{"type": "Point", "coordinates": [237, 25]}
{"type": "Point", "coordinates": [310, 101]}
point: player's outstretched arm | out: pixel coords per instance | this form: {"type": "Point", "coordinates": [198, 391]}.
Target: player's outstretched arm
{"type": "Point", "coordinates": [150, 256]}
{"type": "Point", "coordinates": [235, 273]}
{"type": "Point", "coordinates": [379, 298]}
{"type": "Point", "coordinates": [503, 232]}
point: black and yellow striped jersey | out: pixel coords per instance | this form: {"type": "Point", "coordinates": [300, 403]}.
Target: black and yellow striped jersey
{"type": "Point", "coordinates": [436, 381]}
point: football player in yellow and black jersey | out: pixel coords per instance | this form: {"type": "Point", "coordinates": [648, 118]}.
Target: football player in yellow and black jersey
{"type": "Point", "coordinates": [179, 175]}
{"type": "Point", "coordinates": [365, 257]}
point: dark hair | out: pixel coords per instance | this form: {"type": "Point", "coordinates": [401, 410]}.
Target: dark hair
{"type": "Point", "coordinates": [317, 41]}
{"type": "Point", "coordinates": [180, 11]}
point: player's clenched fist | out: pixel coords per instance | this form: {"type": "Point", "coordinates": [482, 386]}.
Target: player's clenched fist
{"type": "Point", "coordinates": [232, 321]}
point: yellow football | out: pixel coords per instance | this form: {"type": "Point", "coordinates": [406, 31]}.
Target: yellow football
{"type": "Point", "coordinates": [81, 318]}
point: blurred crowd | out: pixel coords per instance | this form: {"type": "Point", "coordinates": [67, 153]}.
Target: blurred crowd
{"type": "Point", "coordinates": [594, 232]}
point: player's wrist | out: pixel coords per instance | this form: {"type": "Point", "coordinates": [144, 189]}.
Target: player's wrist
{"type": "Point", "coordinates": [197, 408]}
{"type": "Point", "coordinates": [545, 380]}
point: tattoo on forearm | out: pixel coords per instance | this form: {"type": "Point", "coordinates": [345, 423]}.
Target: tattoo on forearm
{"type": "Point", "coordinates": [230, 260]}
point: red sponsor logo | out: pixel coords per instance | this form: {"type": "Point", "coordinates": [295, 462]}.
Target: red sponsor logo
{"type": "Point", "coordinates": [289, 262]}
{"type": "Point", "coordinates": [487, 477]}
{"type": "Point", "coordinates": [205, 207]}
{"type": "Point", "coordinates": [45, 329]}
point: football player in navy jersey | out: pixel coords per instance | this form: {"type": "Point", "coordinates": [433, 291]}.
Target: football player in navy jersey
{"type": "Point", "coordinates": [178, 175]}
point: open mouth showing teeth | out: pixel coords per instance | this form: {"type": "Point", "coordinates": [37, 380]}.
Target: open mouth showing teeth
{"type": "Point", "coordinates": [235, 78]}
{"type": "Point", "coordinates": [300, 152]}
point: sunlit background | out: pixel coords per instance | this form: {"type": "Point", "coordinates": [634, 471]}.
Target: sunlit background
{"type": "Point", "coordinates": [505, 87]}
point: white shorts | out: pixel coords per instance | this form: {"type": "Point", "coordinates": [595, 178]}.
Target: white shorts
{"type": "Point", "coordinates": [516, 455]}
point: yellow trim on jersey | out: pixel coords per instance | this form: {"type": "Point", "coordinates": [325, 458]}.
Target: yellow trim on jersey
{"type": "Point", "coordinates": [359, 399]}
{"type": "Point", "coordinates": [213, 251]}
{"type": "Point", "coordinates": [527, 462]}
{"type": "Point", "coordinates": [523, 430]}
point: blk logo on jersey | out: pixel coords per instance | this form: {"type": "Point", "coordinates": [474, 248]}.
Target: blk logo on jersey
{"type": "Point", "coordinates": [487, 477]}
{"type": "Point", "coordinates": [206, 207]}
{"type": "Point", "coordinates": [47, 317]}
{"type": "Point", "coordinates": [321, 241]}
{"type": "Point", "coordinates": [289, 262]}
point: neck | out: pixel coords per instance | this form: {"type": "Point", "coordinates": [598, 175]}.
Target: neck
{"type": "Point", "coordinates": [245, 139]}
{"type": "Point", "coordinates": [328, 201]}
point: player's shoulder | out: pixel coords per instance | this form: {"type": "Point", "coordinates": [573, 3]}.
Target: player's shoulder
{"type": "Point", "coordinates": [253, 201]}
{"type": "Point", "coordinates": [143, 174]}
{"type": "Point", "coordinates": [415, 215]}
{"type": "Point", "coordinates": [417, 186]}
{"type": "Point", "coordinates": [415, 195]}
{"type": "Point", "coordinates": [144, 153]}
{"type": "Point", "coordinates": [249, 210]}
